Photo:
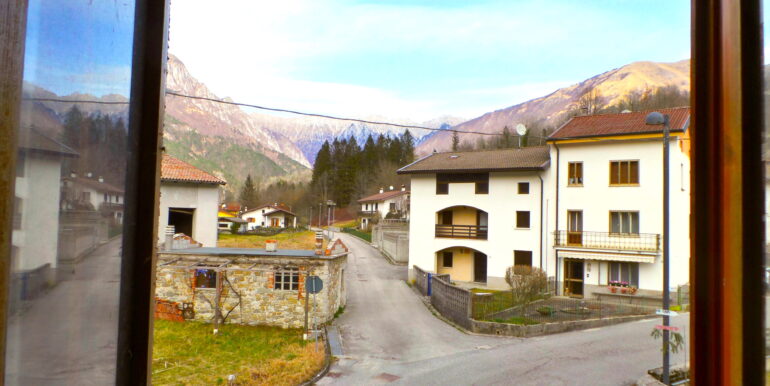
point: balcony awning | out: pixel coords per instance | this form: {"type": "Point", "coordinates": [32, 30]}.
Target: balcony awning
{"type": "Point", "coordinates": [624, 257]}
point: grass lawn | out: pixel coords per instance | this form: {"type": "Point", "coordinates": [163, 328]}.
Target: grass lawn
{"type": "Point", "coordinates": [286, 240]}
{"type": "Point", "coordinates": [189, 354]}
{"type": "Point", "coordinates": [346, 224]}
{"type": "Point", "coordinates": [366, 236]}
{"type": "Point", "coordinates": [517, 320]}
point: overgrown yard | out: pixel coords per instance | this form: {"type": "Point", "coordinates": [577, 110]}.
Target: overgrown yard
{"type": "Point", "coordinates": [189, 354]}
{"type": "Point", "coordinates": [286, 240]}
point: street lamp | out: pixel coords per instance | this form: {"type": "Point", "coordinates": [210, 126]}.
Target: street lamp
{"type": "Point", "coordinates": [656, 118]}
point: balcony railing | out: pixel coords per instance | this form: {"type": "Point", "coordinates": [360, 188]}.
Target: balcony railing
{"type": "Point", "coordinates": [649, 242]}
{"type": "Point", "coordinates": [462, 231]}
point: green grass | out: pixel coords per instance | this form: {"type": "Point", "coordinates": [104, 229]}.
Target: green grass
{"type": "Point", "coordinates": [339, 312]}
{"type": "Point", "coordinates": [517, 320]}
{"type": "Point", "coordinates": [286, 240]}
{"type": "Point", "coordinates": [361, 235]}
{"type": "Point", "coordinates": [188, 353]}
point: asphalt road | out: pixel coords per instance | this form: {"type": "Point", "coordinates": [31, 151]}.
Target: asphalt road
{"type": "Point", "coordinates": [389, 336]}
{"type": "Point", "coordinates": [69, 335]}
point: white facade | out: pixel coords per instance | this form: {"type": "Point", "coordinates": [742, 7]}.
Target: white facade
{"type": "Point", "coordinates": [596, 198]}
{"type": "Point", "coordinates": [371, 208]}
{"type": "Point", "coordinates": [270, 217]}
{"type": "Point", "coordinates": [503, 236]}
{"type": "Point", "coordinates": [198, 199]}
{"type": "Point", "coordinates": [36, 231]}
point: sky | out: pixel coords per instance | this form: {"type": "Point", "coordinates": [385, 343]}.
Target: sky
{"type": "Point", "coordinates": [399, 59]}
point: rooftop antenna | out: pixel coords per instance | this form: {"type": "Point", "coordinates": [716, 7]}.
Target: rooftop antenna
{"type": "Point", "coordinates": [521, 130]}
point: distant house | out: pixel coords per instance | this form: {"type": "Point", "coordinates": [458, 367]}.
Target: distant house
{"type": "Point", "coordinates": [226, 219]}
{"type": "Point", "coordinates": [189, 201]}
{"type": "Point", "coordinates": [392, 204]}
{"type": "Point", "coordinates": [35, 234]}
{"type": "Point", "coordinates": [270, 216]}
{"type": "Point", "coordinates": [92, 193]}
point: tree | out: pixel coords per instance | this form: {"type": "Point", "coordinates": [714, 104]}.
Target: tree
{"type": "Point", "coordinates": [249, 196]}
{"type": "Point", "coordinates": [527, 284]}
{"type": "Point", "coordinates": [407, 148]}
{"type": "Point", "coordinates": [455, 141]}
{"type": "Point", "coordinates": [591, 102]}
{"type": "Point", "coordinates": [506, 140]}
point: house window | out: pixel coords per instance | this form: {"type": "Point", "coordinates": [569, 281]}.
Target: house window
{"type": "Point", "coordinates": [522, 219]}
{"type": "Point", "coordinates": [624, 172]}
{"type": "Point", "coordinates": [392, 207]}
{"type": "Point", "coordinates": [448, 259]}
{"type": "Point", "coordinates": [287, 279]}
{"type": "Point", "coordinates": [624, 273]}
{"type": "Point", "coordinates": [522, 258]}
{"type": "Point", "coordinates": [442, 187]}
{"type": "Point", "coordinates": [252, 219]}
{"type": "Point", "coordinates": [205, 278]}
{"type": "Point", "coordinates": [624, 222]}
{"type": "Point", "coordinates": [575, 174]}
{"type": "Point", "coordinates": [523, 187]}
{"type": "Point", "coordinates": [106, 197]}
{"type": "Point", "coordinates": [85, 196]}
{"type": "Point", "coordinates": [482, 187]}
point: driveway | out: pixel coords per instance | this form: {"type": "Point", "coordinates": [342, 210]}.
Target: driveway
{"type": "Point", "coordinates": [389, 336]}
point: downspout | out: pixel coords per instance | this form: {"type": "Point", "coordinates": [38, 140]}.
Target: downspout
{"type": "Point", "coordinates": [556, 223]}
{"type": "Point", "coordinates": [541, 220]}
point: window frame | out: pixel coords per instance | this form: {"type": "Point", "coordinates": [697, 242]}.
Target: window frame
{"type": "Point", "coordinates": [291, 273]}
{"type": "Point", "coordinates": [521, 185]}
{"type": "Point", "coordinates": [203, 271]}
{"type": "Point", "coordinates": [523, 252]}
{"type": "Point", "coordinates": [632, 281]}
{"type": "Point", "coordinates": [621, 214]}
{"type": "Point", "coordinates": [529, 219]}
{"type": "Point", "coordinates": [444, 256]}
{"type": "Point", "coordinates": [572, 171]}
{"type": "Point", "coordinates": [620, 163]}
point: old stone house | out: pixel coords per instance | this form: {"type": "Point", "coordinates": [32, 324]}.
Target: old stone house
{"type": "Point", "coordinates": [255, 286]}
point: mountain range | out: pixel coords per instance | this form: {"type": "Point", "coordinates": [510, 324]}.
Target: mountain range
{"type": "Point", "coordinates": [553, 109]}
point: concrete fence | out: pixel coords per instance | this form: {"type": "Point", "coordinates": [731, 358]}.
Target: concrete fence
{"type": "Point", "coordinates": [454, 303]}
{"type": "Point", "coordinates": [392, 240]}
{"type": "Point", "coordinates": [79, 234]}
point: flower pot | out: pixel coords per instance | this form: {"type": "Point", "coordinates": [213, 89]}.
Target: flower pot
{"type": "Point", "coordinates": [624, 290]}
{"type": "Point", "coordinates": [632, 290]}
{"type": "Point", "coordinates": [613, 289]}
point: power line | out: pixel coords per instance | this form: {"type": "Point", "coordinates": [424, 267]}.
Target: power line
{"type": "Point", "coordinates": [168, 92]}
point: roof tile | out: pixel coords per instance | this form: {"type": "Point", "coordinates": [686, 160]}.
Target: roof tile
{"type": "Point", "coordinates": [175, 170]}
{"type": "Point", "coordinates": [620, 124]}
{"type": "Point", "coordinates": [528, 158]}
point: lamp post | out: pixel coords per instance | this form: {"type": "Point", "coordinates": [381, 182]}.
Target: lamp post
{"type": "Point", "coordinates": [656, 118]}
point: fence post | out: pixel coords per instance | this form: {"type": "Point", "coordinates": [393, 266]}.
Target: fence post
{"type": "Point", "coordinates": [430, 284]}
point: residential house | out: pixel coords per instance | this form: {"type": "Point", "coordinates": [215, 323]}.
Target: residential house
{"type": "Point", "coordinates": [35, 234]}
{"type": "Point", "coordinates": [392, 204]}
{"type": "Point", "coordinates": [270, 216]}
{"type": "Point", "coordinates": [226, 219]}
{"type": "Point", "coordinates": [189, 201]}
{"type": "Point", "coordinates": [474, 214]}
{"type": "Point", "coordinates": [92, 193]}
{"type": "Point", "coordinates": [608, 202]}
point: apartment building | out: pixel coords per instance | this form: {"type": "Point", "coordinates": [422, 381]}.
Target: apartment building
{"type": "Point", "coordinates": [474, 214]}
{"type": "Point", "coordinates": [392, 204]}
{"type": "Point", "coordinates": [608, 202]}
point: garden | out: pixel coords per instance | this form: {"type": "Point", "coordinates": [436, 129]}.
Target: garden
{"type": "Point", "coordinates": [286, 240]}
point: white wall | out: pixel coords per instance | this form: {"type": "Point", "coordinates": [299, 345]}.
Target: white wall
{"type": "Point", "coordinates": [204, 198]}
{"type": "Point", "coordinates": [596, 199]}
{"type": "Point", "coordinates": [501, 205]}
{"type": "Point", "coordinates": [39, 190]}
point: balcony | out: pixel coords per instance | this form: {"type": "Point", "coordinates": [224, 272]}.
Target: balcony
{"type": "Point", "coordinates": [461, 231]}
{"type": "Point", "coordinates": [646, 242]}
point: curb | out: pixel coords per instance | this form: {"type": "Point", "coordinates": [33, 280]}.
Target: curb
{"type": "Point", "coordinates": [327, 362]}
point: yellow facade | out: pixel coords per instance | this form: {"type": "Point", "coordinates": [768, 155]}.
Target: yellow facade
{"type": "Point", "coordinates": [462, 264]}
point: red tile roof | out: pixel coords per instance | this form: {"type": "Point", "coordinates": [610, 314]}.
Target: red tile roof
{"type": "Point", "coordinates": [620, 124]}
{"type": "Point", "coordinates": [174, 170]}
{"type": "Point", "coordinates": [383, 196]}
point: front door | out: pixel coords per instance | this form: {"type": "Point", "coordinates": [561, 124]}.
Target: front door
{"type": "Point", "coordinates": [479, 267]}
{"type": "Point", "coordinates": [274, 222]}
{"type": "Point", "coordinates": [573, 278]}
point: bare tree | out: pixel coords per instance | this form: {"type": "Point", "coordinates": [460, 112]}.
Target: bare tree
{"type": "Point", "coordinates": [527, 284]}
{"type": "Point", "coordinates": [591, 102]}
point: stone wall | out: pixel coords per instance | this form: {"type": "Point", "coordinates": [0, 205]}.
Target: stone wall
{"type": "Point", "coordinates": [249, 295]}
{"type": "Point", "coordinates": [454, 303]}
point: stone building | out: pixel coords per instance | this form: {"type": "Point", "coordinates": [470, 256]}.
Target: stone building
{"type": "Point", "coordinates": [256, 286]}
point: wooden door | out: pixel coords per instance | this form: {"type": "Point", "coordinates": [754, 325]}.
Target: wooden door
{"type": "Point", "coordinates": [573, 278]}
{"type": "Point", "coordinates": [274, 222]}
{"type": "Point", "coordinates": [479, 267]}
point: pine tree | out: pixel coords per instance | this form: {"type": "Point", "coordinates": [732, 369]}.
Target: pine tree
{"type": "Point", "coordinates": [323, 163]}
{"type": "Point", "coordinates": [506, 141]}
{"type": "Point", "coordinates": [249, 196]}
{"type": "Point", "coordinates": [73, 124]}
{"type": "Point", "coordinates": [407, 148]}
{"type": "Point", "coordinates": [455, 140]}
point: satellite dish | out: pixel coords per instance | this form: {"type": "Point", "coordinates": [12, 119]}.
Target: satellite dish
{"type": "Point", "coordinates": [521, 129]}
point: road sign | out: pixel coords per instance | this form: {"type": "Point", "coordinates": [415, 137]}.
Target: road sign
{"type": "Point", "coordinates": [669, 328]}
{"type": "Point", "coordinates": [666, 312]}
{"type": "Point", "coordinates": [314, 284]}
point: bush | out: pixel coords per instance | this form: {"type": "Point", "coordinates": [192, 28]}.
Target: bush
{"type": "Point", "coordinates": [235, 227]}
{"type": "Point", "coordinates": [527, 284]}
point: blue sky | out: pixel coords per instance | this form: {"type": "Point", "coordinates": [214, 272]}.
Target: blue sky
{"type": "Point", "coordinates": [398, 59]}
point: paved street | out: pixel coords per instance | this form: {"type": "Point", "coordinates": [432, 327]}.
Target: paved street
{"type": "Point", "coordinates": [69, 335]}
{"type": "Point", "coordinates": [388, 335]}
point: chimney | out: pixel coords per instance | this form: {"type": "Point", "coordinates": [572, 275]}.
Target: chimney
{"type": "Point", "coordinates": [73, 174]}
{"type": "Point", "coordinates": [89, 175]}
{"type": "Point", "coordinates": [391, 187]}
{"type": "Point", "coordinates": [319, 243]}
{"type": "Point", "coordinates": [381, 189]}
{"type": "Point", "coordinates": [271, 245]}
{"type": "Point", "coordinates": [101, 179]}
{"type": "Point", "coordinates": [169, 239]}
{"type": "Point", "coordinates": [403, 188]}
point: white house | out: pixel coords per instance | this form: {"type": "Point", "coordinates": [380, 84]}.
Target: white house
{"type": "Point", "coordinates": [189, 200]}
{"type": "Point", "coordinates": [92, 193]}
{"type": "Point", "coordinates": [473, 214]}
{"type": "Point", "coordinates": [271, 216]}
{"type": "Point", "coordinates": [35, 233]}
{"type": "Point", "coordinates": [385, 204]}
{"type": "Point", "coordinates": [608, 202]}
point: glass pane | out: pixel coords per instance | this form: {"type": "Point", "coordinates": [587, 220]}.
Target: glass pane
{"type": "Point", "coordinates": [624, 172]}
{"type": "Point", "coordinates": [615, 221]}
{"type": "Point", "coordinates": [69, 185]}
{"type": "Point", "coordinates": [614, 172]}
{"type": "Point", "coordinates": [634, 166]}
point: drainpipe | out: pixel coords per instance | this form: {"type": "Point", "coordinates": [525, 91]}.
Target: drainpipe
{"type": "Point", "coordinates": [556, 223]}
{"type": "Point", "coordinates": [541, 220]}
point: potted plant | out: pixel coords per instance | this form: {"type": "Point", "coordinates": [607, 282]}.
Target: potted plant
{"type": "Point", "coordinates": [624, 290]}
{"type": "Point", "coordinates": [632, 290]}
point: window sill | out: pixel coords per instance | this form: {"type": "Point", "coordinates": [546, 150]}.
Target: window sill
{"type": "Point", "coordinates": [574, 185]}
{"type": "Point", "coordinates": [522, 229]}
{"type": "Point", "coordinates": [623, 185]}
